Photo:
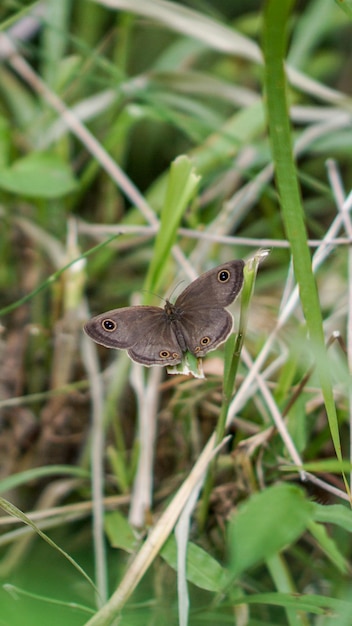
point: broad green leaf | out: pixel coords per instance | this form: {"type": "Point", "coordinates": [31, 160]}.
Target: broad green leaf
{"type": "Point", "coordinates": [202, 569]}
{"type": "Point", "coordinates": [265, 524]}
{"type": "Point", "coordinates": [41, 175]}
{"type": "Point", "coordinates": [119, 531]}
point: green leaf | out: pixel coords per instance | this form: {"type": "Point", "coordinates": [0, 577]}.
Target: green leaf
{"type": "Point", "coordinates": [202, 569]}
{"type": "Point", "coordinates": [334, 514]}
{"type": "Point", "coordinates": [301, 602]}
{"type": "Point", "coordinates": [328, 545]}
{"type": "Point", "coordinates": [120, 532]}
{"type": "Point", "coordinates": [40, 175]}
{"type": "Point", "coordinates": [267, 523]}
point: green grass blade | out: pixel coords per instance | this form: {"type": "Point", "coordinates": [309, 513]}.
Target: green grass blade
{"type": "Point", "coordinates": [346, 6]}
{"type": "Point", "coordinates": [17, 592]}
{"type": "Point", "coordinates": [53, 277]}
{"type": "Point", "coordinates": [182, 184]}
{"type": "Point", "coordinates": [21, 478]}
{"type": "Point", "coordinates": [12, 510]}
{"type": "Point", "coordinates": [276, 16]}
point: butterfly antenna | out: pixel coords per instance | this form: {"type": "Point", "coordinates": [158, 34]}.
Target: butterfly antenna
{"type": "Point", "coordinates": [153, 294]}
{"type": "Point", "coordinates": [176, 287]}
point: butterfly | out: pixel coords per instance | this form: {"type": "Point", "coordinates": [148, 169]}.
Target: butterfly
{"type": "Point", "coordinates": [197, 322]}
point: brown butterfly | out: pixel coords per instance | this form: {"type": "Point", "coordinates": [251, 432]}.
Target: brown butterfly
{"type": "Point", "coordinates": [198, 321]}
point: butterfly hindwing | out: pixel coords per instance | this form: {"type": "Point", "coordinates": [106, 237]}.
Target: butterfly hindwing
{"type": "Point", "coordinates": [202, 336]}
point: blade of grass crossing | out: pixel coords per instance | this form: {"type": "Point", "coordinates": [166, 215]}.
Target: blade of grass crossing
{"type": "Point", "coordinates": [276, 15]}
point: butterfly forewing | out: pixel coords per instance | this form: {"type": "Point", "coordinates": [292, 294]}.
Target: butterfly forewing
{"type": "Point", "coordinates": [130, 325]}
{"type": "Point", "coordinates": [216, 288]}
{"type": "Point", "coordinates": [141, 330]}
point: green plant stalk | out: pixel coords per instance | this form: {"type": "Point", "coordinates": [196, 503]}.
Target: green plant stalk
{"type": "Point", "coordinates": [281, 576]}
{"type": "Point", "coordinates": [276, 16]}
{"type": "Point", "coordinates": [232, 357]}
{"type": "Point", "coordinates": [233, 352]}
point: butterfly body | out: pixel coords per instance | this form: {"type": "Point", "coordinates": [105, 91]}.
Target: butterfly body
{"type": "Point", "coordinates": [198, 321]}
